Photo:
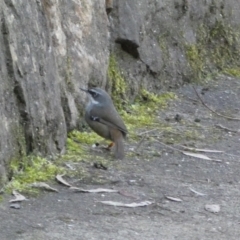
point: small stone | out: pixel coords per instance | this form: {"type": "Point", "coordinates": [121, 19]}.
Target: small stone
{"type": "Point", "coordinates": [167, 119]}
{"type": "Point", "coordinates": [213, 208]}
{"type": "Point", "coordinates": [197, 120]}
{"type": "Point", "coordinates": [177, 118]}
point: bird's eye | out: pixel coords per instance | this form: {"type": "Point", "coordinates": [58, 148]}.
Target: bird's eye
{"type": "Point", "coordinates": [93, 93]}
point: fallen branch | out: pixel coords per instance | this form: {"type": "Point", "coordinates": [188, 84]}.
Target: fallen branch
{"type": "Point", "coordinates": [218, 114]}
{"type": "Point", "coordinates": [145, 132]}
{"type": "Point", "coordinates": [226, 129]}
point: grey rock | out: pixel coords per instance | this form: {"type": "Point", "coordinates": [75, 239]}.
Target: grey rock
{"type": "Point", "coordinates": [151, 54]}
{"type": "Point", "coordinates": [128, 29]}
{"type": "Point", "coordinates": [156, 34]}
{"type": "Point", "coordinates": [48, 49]}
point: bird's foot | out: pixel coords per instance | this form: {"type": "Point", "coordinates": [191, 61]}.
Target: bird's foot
{"type": "Point", "coordinates": [109, 147]}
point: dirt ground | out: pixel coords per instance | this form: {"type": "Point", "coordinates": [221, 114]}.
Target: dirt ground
{"type": "Point", "coordinates": [154, 174]}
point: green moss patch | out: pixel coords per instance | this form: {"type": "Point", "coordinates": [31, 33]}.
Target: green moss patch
{"type": "Point", "coordinates": [29, 170]}
{"type": "Point", "coordinates": [143, 113]}
{"type": "Point", "coordinates": [117, 83]}
{"type": "Point", "coordinates": [80, 155]}
{"type": "Point", "coordinates": [234, 72]}
{"type": "Point", "coordinates": [79, 144]}
{"type": "Point", "coordinates": [217, 51]}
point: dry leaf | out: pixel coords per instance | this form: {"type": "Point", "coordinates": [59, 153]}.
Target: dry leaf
{"type": "Point", "coordinates": [196, 192]}
{"type": "Point", "coordinates": [202, 150]}
{"type": "Point", "coordinates": [62, 181]}
{"type": "Point", "coordinates": [129, 205]}
{"type": "Point", "coordinates": [197, 155]}
{"type": "Point", "coordinates": [213, 208]}
{"type": "Point", "coordinates": [207, 150]}
{"type": "Point", "coordinates": [98, 190]}
{"type": "Point", "coordinates": [43, 186]}
{"type": "Point", "coordinates": [18, 197]}
{"type": "Point", "coordinates": [174, 199]}
{"type": "Point", "coordinates": [201, 156]}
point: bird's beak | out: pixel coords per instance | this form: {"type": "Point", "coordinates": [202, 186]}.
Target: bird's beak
{"type": "Point", "coordinates": [85, 90]}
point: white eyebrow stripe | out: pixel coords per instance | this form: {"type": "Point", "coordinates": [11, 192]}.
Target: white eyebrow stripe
{"type": "Point", "coordinates": [94, 101]}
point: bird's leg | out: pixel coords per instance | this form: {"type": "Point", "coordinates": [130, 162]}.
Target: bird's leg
{"type": "Point", "coordinates": [110, 145]}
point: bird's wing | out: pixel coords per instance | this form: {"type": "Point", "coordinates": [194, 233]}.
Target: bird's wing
{"type": "Point", "coordinates": [109, 117]}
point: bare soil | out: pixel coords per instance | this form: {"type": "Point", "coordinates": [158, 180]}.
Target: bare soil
{"type": "Point", "coordinates": [154, 173]}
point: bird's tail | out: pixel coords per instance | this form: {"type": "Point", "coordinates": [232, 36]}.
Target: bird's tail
{"type": "Point", "coordinates": [117, 138]}
{"type": "Point", "coordinates": [119, 148]}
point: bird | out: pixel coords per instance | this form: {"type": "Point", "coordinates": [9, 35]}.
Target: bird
{"type": "Point", "coordinates": [103, 118]}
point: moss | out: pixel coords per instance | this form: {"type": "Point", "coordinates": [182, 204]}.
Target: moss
{"type": "Point", "coordinates": [138, 116]}
{"type": "Point", "coordinates": [144, 111]}
{"type": "Point", "coordinates": [155, 100]}
{"type": "Point", "coordinates": [31, 169]}
{"type": "Point", "coordinates": [216, 51]}
{"type": "Point", "coordinates": [79, 147]}
{"type": "Point", "coordinates": [196, 60]}
{"type": "Point", "coordinates": [224, 44]}
{"type": "Point", "coordinates": [77, 141]}
{"type": "Point", "coordinates": [78, 144]}
{"type": "Point", "coordinates": [117, 83]}
{"type": "Point", "coordinates": [235, 72]}
{"type": "Point", "coordinates": [84, 137]}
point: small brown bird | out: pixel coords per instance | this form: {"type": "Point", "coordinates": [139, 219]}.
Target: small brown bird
{"type": "Point", "coordinates": [103, 118]}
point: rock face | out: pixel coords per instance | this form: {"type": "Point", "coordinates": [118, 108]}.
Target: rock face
{"type": "Point", "coordinates": [49, 48]}
{"type": "Point", "coordinates": [167, 43]}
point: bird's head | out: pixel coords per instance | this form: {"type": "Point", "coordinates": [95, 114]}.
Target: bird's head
{"type": "Point", "coordinates": [98, 96]}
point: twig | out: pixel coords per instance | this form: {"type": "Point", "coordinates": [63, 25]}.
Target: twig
{"type": "Point", "coordinates": [218, 114]}
{"type": "Point", "coordinates": [226, 129]}
{"type": "Point", "coordinates": [192, 99]}
{"type": "Point", "coordinates": [196, 192]}
{"type": "Point", "coordinates": [140, 143]}
{"type": "Point", "coordinates": [143, 133]}
{"type": "Point", "coordinates": [185, 153]}
{"type": "Point", "coordinates": [165, 145]}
